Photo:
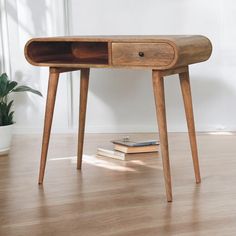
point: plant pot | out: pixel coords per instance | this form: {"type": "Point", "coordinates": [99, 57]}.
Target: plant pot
{"type": "Point", "coordinates": [5, 138]}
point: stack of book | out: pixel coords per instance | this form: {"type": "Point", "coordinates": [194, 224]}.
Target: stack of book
{"type": "Point", "coordinates": [126, 149]}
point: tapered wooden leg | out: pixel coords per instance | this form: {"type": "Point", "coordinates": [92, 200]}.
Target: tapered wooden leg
{"type": "Point", "coordinates": [186, 92]}
{"type": "Point", "coordinates": [158, 87]}
{"type": "Point", "coordinates": [51, 97]}
{"type": "Point", "coordinates": [84, 82]}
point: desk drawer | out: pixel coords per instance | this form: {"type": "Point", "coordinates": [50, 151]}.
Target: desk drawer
{"type": "Point", "coordinates": [142, 54]}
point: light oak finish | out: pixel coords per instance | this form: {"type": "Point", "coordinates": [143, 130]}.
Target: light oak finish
{"type": "Point", "coordinates": [116, 198]}
{"type": "Point", "coordinates": [51, 98]}
{"type": "Point", "coordinates": [97, 51]}
{"type": "Point", "coordinates": [62, 70]}
{"type": "Point", "coordinates": [142, 54]}
{"type": "Point", "coordinates": [164, 55]}
{"type": "Point", "coordinates": [159, 95]}
{"type": "Point", "coordinates": [174, 71]}
{"type": "Point", "coordinates": [187, 97]}
{"type": "Point", "coordinates": [84, 83]}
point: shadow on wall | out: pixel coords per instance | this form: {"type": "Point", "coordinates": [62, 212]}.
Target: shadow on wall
{"type": "Point", "coordinates": [26, 19]}
{"type": "Point", "coordinates": [38, 13]}
{"type": "Point", "coordinates": [26, 102]}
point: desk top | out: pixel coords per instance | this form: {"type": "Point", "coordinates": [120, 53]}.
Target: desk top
{"type": "Point", "coordinates": [134, 51]}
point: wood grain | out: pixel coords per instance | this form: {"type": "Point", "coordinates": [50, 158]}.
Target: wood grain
{"type": "Point", "coordinates": [87, 50]}
{"type": "Point", "coordinates": [51, 98]}
{"type": "Point", "coordinates": [159, 95]}
{"type": "Point", "coordinates": [84, 83]}
{"type": "Point", "coordinates": [117, 198]}
{"type": "Point", "coordinates": [152, 54]}
{"type": "Point", "coordinates": [187, 97]}
{"type": "Point", "coordinates": [173, 71]}
{"type": "Point", "coordinates": [174, 51]}
{"type": "Point", "coordinates": [165, 55]}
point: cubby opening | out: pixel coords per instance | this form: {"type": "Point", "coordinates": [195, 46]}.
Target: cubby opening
{"type": "Point", "coordinates": [68, 52]}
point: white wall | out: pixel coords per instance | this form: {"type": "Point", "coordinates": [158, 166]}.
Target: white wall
{"type": "Point", "coordinates": [122, 100]}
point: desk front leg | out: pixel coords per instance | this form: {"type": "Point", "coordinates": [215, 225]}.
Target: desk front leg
{"type": "Point", "coordinates": [51, 98]}
{"type": "Point", "coordinates": [84, 83]}
{"type": "Point", "coordinates": [159, 95]}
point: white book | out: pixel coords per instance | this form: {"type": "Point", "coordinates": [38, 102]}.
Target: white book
{"type": "Point", "coordinates": [102, 152]}
{"type": "Point", "coordinates": [110, 153]}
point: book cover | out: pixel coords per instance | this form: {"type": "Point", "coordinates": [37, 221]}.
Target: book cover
{"type": "Point", "coordinates": [136, 149]}
{"type": "Point", "coordinates": [132, 143]}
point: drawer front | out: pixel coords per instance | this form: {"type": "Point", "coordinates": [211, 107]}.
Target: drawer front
{"type": "Point", "coordinates": [142, 54]}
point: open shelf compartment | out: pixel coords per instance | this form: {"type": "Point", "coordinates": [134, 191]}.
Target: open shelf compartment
{"type": "Point", "coordinates": [95, 53]}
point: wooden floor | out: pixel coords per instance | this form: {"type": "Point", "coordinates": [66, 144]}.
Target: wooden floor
{"type": "Point", "coordinates": [114, 197]}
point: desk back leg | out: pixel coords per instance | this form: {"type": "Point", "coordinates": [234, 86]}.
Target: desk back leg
{"type": "Point", "coordinates": [84, 83]}
{"type": "Point", "coordinates": [158, 88]}
{"type": "Point", "coordinates": [186, 92]}
{"type": "Point", "coordinates": [51, 97]}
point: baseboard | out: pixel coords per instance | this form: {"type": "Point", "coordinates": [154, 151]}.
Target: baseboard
{"type": "Point", "coordinates": [116, 129]}
{"type": "Point", "coordinates": [89, 129]}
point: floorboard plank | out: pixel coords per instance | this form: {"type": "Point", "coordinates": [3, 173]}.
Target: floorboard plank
{"type": "Point", "coordinates": [116, 198]}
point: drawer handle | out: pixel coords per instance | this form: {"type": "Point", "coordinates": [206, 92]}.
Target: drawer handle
{"type": "Point", "coordinates": [141, 54]}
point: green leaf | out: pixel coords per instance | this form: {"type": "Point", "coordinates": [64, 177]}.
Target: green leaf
{"type": "Point", "coordinates": [9, 106]}
{"type": "Point", "coordinates": [24, 88]}
{"type": "Point", "coordinates": [4, 77]}
{"type": "Point", "coordinates": [7, 86]}
{"type": "Point", "coordinates": [10, 117]}
{"type": "Point", "coordinates": [11, 85]}
{"type": "Point", "coordinates": [3, 84]}
{"type": "Point", "coordinates": [1, 122]}
{"type": "Point", "coordinates": [6, 117]}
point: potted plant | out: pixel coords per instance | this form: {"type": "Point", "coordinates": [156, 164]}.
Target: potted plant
{"type": "Point", "coordinates": [6, 114]}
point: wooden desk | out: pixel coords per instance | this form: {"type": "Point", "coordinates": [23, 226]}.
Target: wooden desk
{"type": "Point", "coordinates": [164, 55]}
